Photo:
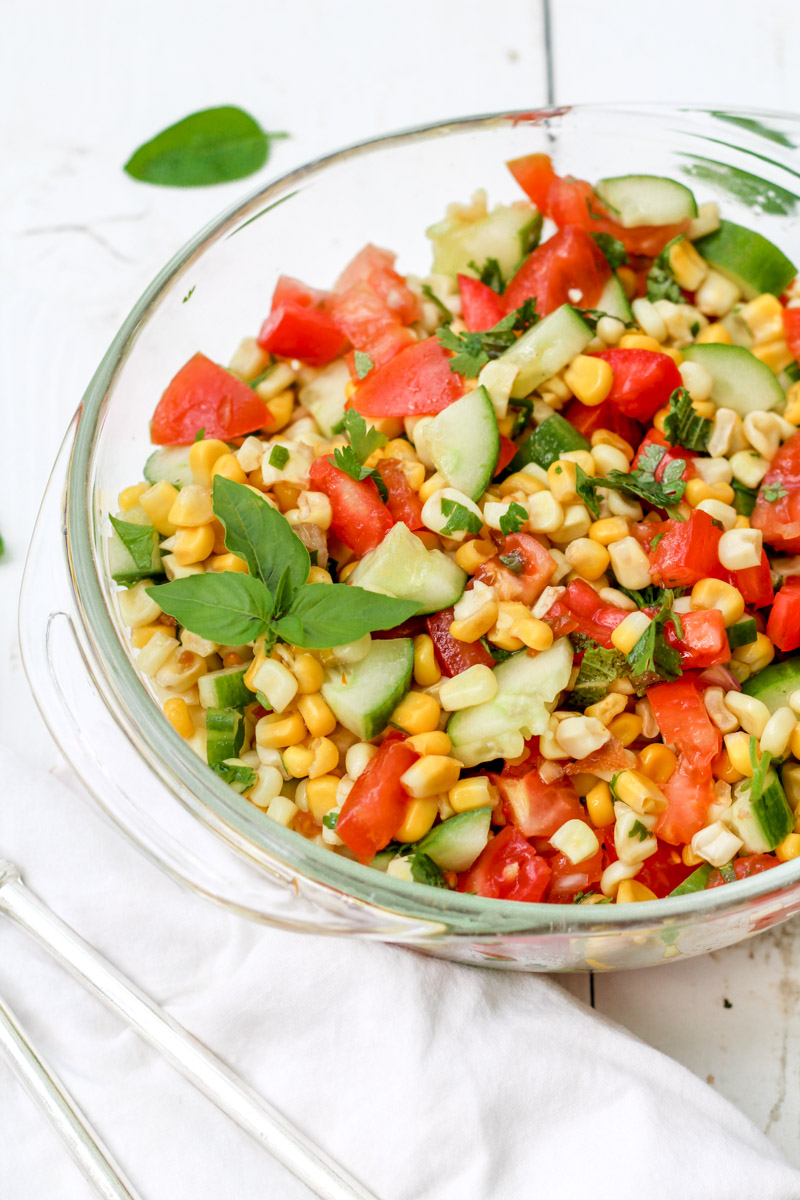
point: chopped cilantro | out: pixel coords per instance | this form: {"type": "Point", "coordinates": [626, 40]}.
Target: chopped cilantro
{"type": "Point", "coordinates": [640, 831]}
{"type": "Point", "coordinates": [650, 596]}
{"type": "Point", "coordinates": [430, 294]}
{"type": "Point", "coordinates": [612, 248]}
{"type": "Point", "coordinates": [581, 896]}
{"type": "Point", "coordinates": [683, 426]}
{"type": "Point", "coordinates": [237, 775]}
{"type": "Point", "coordinates": [656, 540]}
{"type": "Point", "coordinates": [652, 654]}
{"type": "Point", "coordinates": [425, 870]}
{"type": "Point", "coordinates": [490, 274]}
{"type": "Point", "coordinates": [599, 668]}
{"type": "Point", "coordinates": [472, 351]}
{"type": "Point", "coordinates": [513, 562]}
{"type": "Point", "coordinates": [694, 328]}
{"type": "Point", "coordinates": [363, 364]}
{"type": "Point", "coordinates": [513, 520]}
{"type": "Point", "coordinates": [666, 493]}
{"type": "Point", "coordinates": [459, 517]}
{"type": "Point", "coordinates": [661, 283]}
{"type": "Point", "coordinates": [278, 457]}
{"type": "Point", "coordinates": [773, 492]}
{"type": "Point", "coordinates": [363, 440]}
{"type": "Point", "coordinates": [346, 459]}
{"type": "Point", "coordinates": [200, 435]}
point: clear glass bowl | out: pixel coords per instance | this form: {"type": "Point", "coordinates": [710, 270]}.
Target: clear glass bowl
{"type": "Point", "coordinates": [309, 224]}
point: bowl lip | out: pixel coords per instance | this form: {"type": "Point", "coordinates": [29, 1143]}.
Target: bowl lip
{"type": "Point", "coordinates": [476, 917]}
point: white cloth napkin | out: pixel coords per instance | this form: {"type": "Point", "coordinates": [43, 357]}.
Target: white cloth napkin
{"type": "Point", "coordinates": [428, 1081]}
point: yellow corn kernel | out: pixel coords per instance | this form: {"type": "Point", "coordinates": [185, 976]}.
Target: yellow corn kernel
{"type": "Point", "coordinates": [639, 792]}
{"type": "Point", "coordinates": [714, 333]}
{"type": "Point", "coordinates": [309, 674]}
{"type": "Point", "coordinates": [588, 557]}
{"type": "Point", "coordinates": [193, 545]}
{"type": "Point", "coordinates": [321, 796]}
{"type": "Point", "coordinates": [473, 554]}
{"type": "Point", "coordinates": [533, 633]}
{"type": "Point", "coordinates": [713, 593]}
{"type": "Point", "coordinates": [705, 408]}
{"type": "Point", "coordinates": [789, 848]}
{"type": "Point", "coordinates": [426, 668]}
{"type": "Point", "coordinates": [435, 742]}
{"type": "Point", "coordinates": [431, 775]}
{"type": "Point", "coordinates": [659, 418]}
{"type": "Point", "coordinates": [638, 341]}
{"type": "Point", "coordinates": [627, 278]}
{"type": "Point", "coordinates": [280, 409]}
{"type": "Point", "coordinates": [562, 481]}
{"type": "Point", "coordinates": [600, 805]}
{"type": "Point", "coordinates": [141, 636]}
{"type": "Point", "coordinates": [605, 437]}
{"type": "Point", "coordinates": [317, 715]}
{"type": "Point", "coordinates": [628, 632]}
{"type": "Point", "coordinates": [324, 757]}
{"type": "Point", "coordinates": [319, 575]}
{"type": "Point", "coordinates": [657, 762]}
{"type": "Point", "coordinates": [476, 792]}
{"type": "Point", "coordinates": [698, 489]}
{"type": "Point", "coordinates": [757, 654]}
{"type": "Point", "coordinates": [672, 352]}
{"type": "Point", "coordinates": [419, 818]}
{"type": "Point", "coordinates": [686, 265]}
{"type": "Point", "coordinates": [286, 494]}
{"type": "Point", "coordinates": [228, 466]}
{"type": "Point", "coordinates": [227, 562]}
{"type": "Point", "coordinates": [505, 425]}
{"type": "Point", "coordinates": [129, 497]}
{"type": "Point", "coordinates": [418, 712]}
{"type": "Point", "coordinates": [276, 732]}
{"type": "Point", "coordinates": [521, 481]}
{"type": "Point", "coordinates": [631, 891]}
{"type": "Point", "coordinates": [722, 768]}
{"type": "Point", "coordinates": [608, 530]}
{"type": "Point", "coordinates": [176, 710]}
{"type": "Point", "coordinates": [297, 760]}
{"type": "Point", "coordinates": [157, 502]}
{"type": "Point", "coordinates": [776, 355]}
{"type": "Point", "coordinates": [606, 709]}
{"type": "Point", "coordinates": [202, 456]}
{"type": "Point", "coordinates": [476, 624]}
{"type": "Point", "coordinates": [794, 740]}
{"type": "Point", "coordinates": [431, 486]}
{"type": "Point", "coordinates": [737, 746]}
{"type": "Point", "coordinates": [792, 410]}
{"type": "Point", "coordinates": [763, 317]}
{"type": "Point", "coordinates": [192, 506]}
{"type": "Point", "coordinates": [627, 727]}
{"type": "Point", "coordinates": [690, 859]}
{"type": "Point", "coordinates": [589, 379]}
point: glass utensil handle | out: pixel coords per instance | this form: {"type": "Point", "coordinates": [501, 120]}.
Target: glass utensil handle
{"type": "Point", "coordinates": [258, 1118]}
{"type": "Point", "coordinates": [55, 1102]}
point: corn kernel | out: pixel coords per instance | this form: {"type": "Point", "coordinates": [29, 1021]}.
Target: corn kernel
{"type": "Point", "coordinates": [417, 713]}
{"type": "Point", "coordinates": [276, 731]}
{"type": "Point", "coordinates": [639, 792]}
{"type": "Point", "coordinates": [177, 713]}
{"type": "Point", "coordinates": [714, 593]}
{"type": "Point", "coordinates": [324, 757]}
{"type": "Point", "coordinates": [316, 714]}
{"type": "Point", "coordinates": [279, 407]}
{"type": "Point", "coordinates": [630, 564]}
{"type": "Point", "coordinates": [142, 635]}
{"type": "Point", "coordinates": [737, 746]}
{"type": "Point", "coordinates": [792, 411]}
{"type": "Point", "coordinates": [202, 456]}
{"type": "Point", "coordinates": [533, 633]}
{"type": "Point", "coordinates": [686, 265]}
{"type": "Point", "coordinates": [689, 858]}
{"type": "Point", "coordinates": [193, 545]}
{"type": "Point", "coordinates": [627, 727]}
{"type": "Point", "coordinates": [589, 379]}
{"type": "Point", "coordinates": [309, 674]}
{"type": "Point", "coordinates": [476, 685]}
{"type": "Point", "coordinates": [157, 502]}
{"type": "Point", "coordinates": [722, 767]}
{"type": "Point", "coordinates": [319, 575]}
{"type": "Point", "coordinates": [714, 333]}
{"type": "Point", "coordinates": [588, 557]}
{"type": "Point", "coordinates": [476, 792]}
{"type": "Point", "coordinates": [789, 848]}
{"type": "Point", "coordinates": [321, 796]}
{"type": "Point", "coordinates": [478, 623]}
{"type": "Point", "coordinates": [657, 762]}
{"type": "Point", "coordinates": [473, 554]}
{"type": "Point", "coordinates": [794, 742]}
{"type": "Point", "coordinates": [628, 632]}
{"type": "Point", "coordinates": [435, 742]}
{"type": "Point", "coordinates": [608, 530]}
{"type": "Point", "coordinates": [639, 341]}
{"type": "Point", "coordinates": [426, 668]}
{"type": "Point", "coordinates": [129, 497]}
{"type": "Point", "coordinates": [632, 891]}
{"type": "Point", "coordinates": [775, 355]}
{"type": "Point", "coordinates": [431, 775]}
{"type": "Point", "coordinates": [523, 481]}
{"type": "Point", "coordinates": [756, 655]}
{"type": "Point", "coordinates": [698, 489]}
{"type": "Point", "coordinates": [192, 506]}
{"type": "Point", "coordinates": [419, 818]}
{"type": "Point", "coordinates": [227, 562]}
{"type": "Point", "coordinates": [600, 806]}
{"type": "Point", "coordinates": [562, 481]}
{"type": "Point", "coordinates": [606, 709]}
{"type": "Point", "coordinates": [297, 760]}
{"type": "Point", "coordinates": [740, 549]}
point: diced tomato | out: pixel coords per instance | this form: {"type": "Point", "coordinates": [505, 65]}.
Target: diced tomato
{"type": "Point", "coordinates": [779, 520]}
{"type": "Point", "coordinates": [294, 291]}
{"type": "Point", "coordinates": [508, 869]}
{"type": "Point", "coordinates": [791, 328]}
{"type": "Point", "coordinates": [687, 551]}
{"type": "Point", "coordinates": [360, 518]}
{"type": "Point", "coordinates": [755, 583]}
{"type": "Point", "coordinates": [704, 642]}
{"type": "Point", "coordinates": [684, 722]}
{"type": "Point", "coordinates": [569, 260]}
{"type": "Point", "coordinates": [295, 331]}
{"type": "Point", "coordinates": [531, 570]}
{"type": "Point", "coordinates": [663, 871]}
{"type": "Point", "coordinates": [375, 268]}
{"type": "Point", "coordinates": [689, 793]}
{"type": "Point", "coordinates": [534, 173]}
{"type": "Point", "coordinates": [536, 808]}
{"type": "Point", "coordinates": [403, 503]}
{"type": "Point", "coordinates": [376, 804]}
{"type": "Point", "coordinates": [587, 419]}
{"type": "Point", "coordinates": [416, 381]}
{"type": "Point", "coordinates": [751, 864]}
{"type": "Point", "coordinates": [643, 382]}
{"type": "Point", "coordinates": [507, 452]}
{"type": "Point", "coordinates": [371, 326]}
{"type": "Point", "coordinates": [205, 396]}
{"type": "Point", "coordinates": [580, 607]}
{"type": "Point", "coordinates": [654, 437]}
{"type": "Point", "coordinates": [783, 627]}
{"type": "Point", "coordinates": [453, 656]}
{"type": "Point", "coordinates": [567, 879]}
{"type": "Point", "coordinates": [481, 307]}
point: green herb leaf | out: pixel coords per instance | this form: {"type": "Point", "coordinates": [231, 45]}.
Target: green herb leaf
{"type": "Point", "coordinates": [216, 145]}
{"type": "Point", "coordinates": [200, 435]}
{"type": "Point", "coordinates": [667, 493]}
{"type": "Point", "coordinates": [728, 873]}
{"type": "Point", "coordinates": [472, 351]}
{"type": "Point", "coordinates": [773, 492]}
{"type": "Point", "coordinates": [278, 457]}
{"type": "Point", "coordinates": [513, 562]}
{"type": "Point", "coordinates": [640, 831]}
{"type": "Point", "coordinates": [580, 896]}
{"type": "Point", "coordinates": [363, 363]}
{"type": "Point", "coordinates": [683, 426]}
{"type": "Point", "coordinates": [744, 498]}
{"type": "Point", "coordinates": [430, 294]}
{"type": "Point", "coordinates": [425, 870]}
{"type": "Point", "coordinates": [260, 535]}
{"type": "Point", "coordinates": [363, 440]}
{"type": "Point", "coordinates": [650, 596]}
{"type": "Point", "coordinates": [612, 787]}
{"type": "Point", "coordinates": [239, 776]}
{"type": "Point", "coordinates": [331, 819]}
{"type": "Point", "coordinates": [598, 668]}
{"type": "Point", "coordinates": [139, 540]}
{"type": "Point", "coordinates": [490, 274]}
{"type": "Point", "coordinates": [497, 654]}
{"type": "Point", "coordinates": [263, 701]}
{"type": "Point", "coordinates": [324, 615]}
{"type": "Point", "coordinates": [652, 654]}
{"type": "Point", "coordinates": [226, 606]}
{"type": "Point", "coordinates": [585, 487]}
{"type": "Point", "coordinates": [613, 249]}
{"type": "Point", "coordinates": [760, 768]}
{"type": "Point", "coordinates": [513, 519]}
{"type": "Point", "coordinates": [459, 517]}
{"type": "Point", "coordinates": [346, 460]}
{"type": "Point", "coordinates": [189, 294]}
{"type": "Point", "coordinates": [262, 375]}
{"type": "Point", "coordinates": [661, 285]}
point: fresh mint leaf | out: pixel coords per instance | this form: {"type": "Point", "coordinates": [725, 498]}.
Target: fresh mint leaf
{"type": "Point", "coordinates": [237, 775]}
{"type": "Point", "coordinates": [278, 457]}
{"type": "Point", "coordinates": [425, 870]}
{"type": "Point", "coordinates": [329, 614]}
{"type": "Point", "coordinates": [430, 294]}
{"type": "Point", "coordinates": [683, 426]}
{"type": "Point", "coordinates": [215, 145]}
{"type": "Point", "coordinates": [490, 274]}
{"type": "Point", "coordinates": [364, 440]}
{"type": "Point", "coordinates": [260, 535]}
{"type": "Point", "coordinates": [226, 606]}
{"type": "Point", "coordinates": [615, 253]}
{"type": "Point", "coordinates": [459, 517]}
{"type": "Point", "coordinates": [513, 519]}
{"type": "Point", "coordinates": [363, 364]}
{"type": "Point", "coordinates": [773, 492]}
{"type": "Point", "coordinates": [598, 668]}
{"type": "Point", "coordinates": [139, 540]}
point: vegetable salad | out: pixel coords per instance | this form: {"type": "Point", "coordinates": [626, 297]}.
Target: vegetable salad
{"type": "Point", "coordinates": [487, 579]}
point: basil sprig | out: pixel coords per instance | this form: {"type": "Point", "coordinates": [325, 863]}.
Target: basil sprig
{"type": "Point", "coordinates": [274, 600]}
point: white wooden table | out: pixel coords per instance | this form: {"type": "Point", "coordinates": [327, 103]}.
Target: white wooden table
{"type": "Point", "coordinates": [84, 83]}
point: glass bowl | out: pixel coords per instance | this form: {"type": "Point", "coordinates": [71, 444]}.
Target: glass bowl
{"type": "Point", "coordinates": [309, 224]}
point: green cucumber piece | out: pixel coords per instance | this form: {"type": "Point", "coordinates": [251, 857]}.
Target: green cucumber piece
{"type": "Point", "coordinates": [527, 691]}
{"type": "Point", "coordinates": [224, 689]}
{"type": "Point", "coordinates": [774, 685]}
{"type": "Point", "coordinates": [464, 442]}
{"type": "Point", "coordinates": [742, 633]}
{"type": "Point", "coordinates": [546, 349]}
{"type": "Point", "coordinates": [741, 381]}
{"type": "Point", "coordinates": [325, 396]}
{"type": "Point", "coordinates": [545, 444]}
{"type": "Point", "coordinates": [364, 695]}
{"type": "Point", "coordinates": [646, 200]}
{"type": "Point", "coordinates": [507, 234]}
{"type": "Point", "coordinates": [750, 260]}
{"type": "Point", "coordinates": [695, 882]}
{"type": "Point", "coordinates": [224, 734]}
{"type": "Point", "coordinates": [614, 302]}
{"type": "Point", "coordinates": [762, 824]}
{"type": "Point", "coordinates": [170, 464]}
{"type": "Point", "coordinates": [401, 566]}
{"type": "Point", "coordinates": [121, 564]}
{"type": "Point", "coordinates": [456, 843]}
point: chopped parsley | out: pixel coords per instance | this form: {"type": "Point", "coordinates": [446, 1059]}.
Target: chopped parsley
{"type": "Point", "coordinates": [278, 458]}
{"type": "Point", "coordinates": [613, 249]}
{"type": "Point", "coordinates": [683, 426]}
{"type": "Point", "coordinates": [430, 294]}
{"type": "Point", "coordinates": [200, 435]}
{"type": "Point", "coordinates": [652, 654]}
{"type": "Point", "coordinates": [650, 596]}
{"type": "Point", "coordinates": [472, 351]}
{"type": "Point", "coordinates": [490, 275]}
{"type": "Point", "coordinates": [363, 364]}
{"type": "Point", "coordinates": [641, 483]}
{"type": "Point", "coordinates": [331, 818]}
{"type": "Point", "coordinates": [773, 492]}
{"type": "Point", "coordinates": [363, 442]}
{"type": "Point", "coordinates": [513, 519]}
{"type": "Point", "coordinates": [661, 283]}
{"type": "Point", "coordinates": [239, 776]}
{"type": "Point", "coordinates": [640, 831]}
{"type": "Point", "coordinates": [513, 562]}
{"type": "Point", "coordinates": [459, 517]}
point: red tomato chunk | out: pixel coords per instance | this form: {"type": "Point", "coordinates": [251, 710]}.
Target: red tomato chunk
{"type": "Point", "coordinates": [508, 869]}
{"type": "Point", "coordinates": [376, 806]}
{"type": "Point", "coordinates": [416, 381]}
{"type": "Point", "coordinates": [205, 396]}
{"type": "Point", "coordinates": [360, 518]}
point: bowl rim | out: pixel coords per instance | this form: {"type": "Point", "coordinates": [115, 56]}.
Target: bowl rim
{"type": "Point", "coordinates": [465, 915]}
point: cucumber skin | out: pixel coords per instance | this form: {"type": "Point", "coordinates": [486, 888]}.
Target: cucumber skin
{"type": "Point", "coordinates": [762, 824]}
{"type": "Point", "coordinates": [748, 258]}
{"type": "Point", "coordinates": [470, 420]}
{"type": "Point", "coordinates": [169, 464]}
{"type": "Point", "coordinates": [747, 633]}
{"type": "Point", "coordinates": [685, 205]}
{"type": "Point", "coordinates": [507, 234]}
{"type": "Point", "coordinates": [545, 444]}
{"type": "Point", "coordinates": [456, 843]}
{"type": "Point", "coordinates": [369, 723]}
{"type": "Point", "coordinates": [775, 683]}
{"type": "Point", "coordinates": [224, 733]}
{"type": "Point", "coordinates": [224, 689]}
{"type": "Point", "coordinates": [734, 362]}
{"type": "Point", "coordinates": [547, 348]}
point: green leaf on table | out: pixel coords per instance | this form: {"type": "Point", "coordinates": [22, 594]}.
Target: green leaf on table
{"type": "Point", "coordinates": [226, 606]}
{"type": "Point", "coordinates": [215, 145]}
{"type": "Point", "coordinates": [260, 535]}
{"type": "Point", "coordinates": [330, 614]}
{"type": "Point", "coordinates": [139, 540]}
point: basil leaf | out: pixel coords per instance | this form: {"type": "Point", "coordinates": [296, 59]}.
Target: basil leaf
{"type": "Point", "coordinates": [283, 593]}
{"type": "Point", "coordinates": [215, 145]}
{"type": "Point", "coordinates": [140, 541]}
{"type": "Point", "coordinates": [330, 614]}
{"type": "Point", "coordinates": [259, 534]}
{"type": "Point", "coordinates": [226, 606]}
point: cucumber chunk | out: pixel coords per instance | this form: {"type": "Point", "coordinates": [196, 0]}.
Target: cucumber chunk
{"type": "Point", "coordinates": [224, 734]}
{"type": "Point", "coordinates": [762, 824]}
{"type": "Point", "coordinates": [171, 464]}
{"type": "Point", "coordinates": [741, 381]}
{"type": "Point", "coordinates": [749, 259]}
{"type": "Point", "coordinates": [614, 302]}
{"type": "Point", "coordinates": [774, 685]}
{"type": "Point", "coordinates": [401, 566]}
{"type": "Point", "coordinates": [742, 633]}
{"type": "Point", "coordinates": [527, 691]}
{"type": "Point", "coordinates": [464, 442]}
{"type": "Point", "coordinates": [325, 396]}
{"type": "Point", "coordinates": [364, 695]}
{"type": "Point", "coordinates": [456, 843]}
{"type": "Point", "coordinates": [121, 564]}
{"type": "Point", "coordinates": [507, 234]}
{"type": "Point", "coordinates": [546, 349]}
{"type": "Point", "coordinates": [646, 200]}
{"type": "Point", "coordinates": [545, 444]}
{"type": "Point", "coordinates": [695, 882]}
{"type": "Point", "coordinates": [224, 689]}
